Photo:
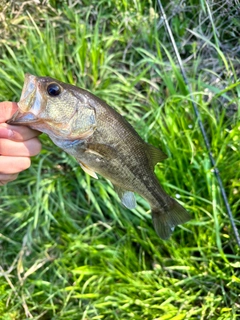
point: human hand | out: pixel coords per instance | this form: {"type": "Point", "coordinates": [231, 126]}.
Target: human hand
{"type": "Point", "coordinates": [17, 145]}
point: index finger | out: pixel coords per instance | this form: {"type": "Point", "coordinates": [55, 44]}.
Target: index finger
{"type": "Point", "coordinates": [7, 109]}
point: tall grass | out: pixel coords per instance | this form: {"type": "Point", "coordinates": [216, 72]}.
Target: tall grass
{"type": "Point", "coordinates": [69, 250]}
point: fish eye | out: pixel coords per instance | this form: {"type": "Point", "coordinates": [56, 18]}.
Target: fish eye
{"type": "Point", "coordinates": [53, 89]}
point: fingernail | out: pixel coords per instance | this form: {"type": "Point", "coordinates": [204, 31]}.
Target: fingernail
{"type": "Point", "coordinates": [6, 133]}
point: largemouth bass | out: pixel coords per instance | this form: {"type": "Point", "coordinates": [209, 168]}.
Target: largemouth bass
{"type": "Point", "coordinates": [102, 142]}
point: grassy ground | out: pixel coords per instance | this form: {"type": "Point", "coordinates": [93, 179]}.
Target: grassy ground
{"type": "Point", "coordinates": [68, 249]}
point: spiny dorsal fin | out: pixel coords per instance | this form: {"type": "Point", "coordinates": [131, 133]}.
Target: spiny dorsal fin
{"type": "Point", "coordinates": [155, 155]}
{"type": "Point", "coordinates": [127, 197]}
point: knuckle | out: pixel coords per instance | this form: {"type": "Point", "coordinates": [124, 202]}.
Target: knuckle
{"type": "Point", "coordinates": [3, 182]}
{"type": "Point", "coordinates": [5, 178]}
{"type": "Point", "coordinates": [37, 146]}
{"type": "Point", "coordinates": [12, 177]}
{"type": "Point", "coordinates": [26, 163]}
{"type": "Point", "coordinates": [11, 166]}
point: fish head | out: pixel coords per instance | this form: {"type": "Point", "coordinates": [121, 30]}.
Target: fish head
{"type": "Point", "coordinates": [56, 108]}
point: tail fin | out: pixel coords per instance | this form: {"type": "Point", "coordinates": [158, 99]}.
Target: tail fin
{"type": "Point", "coordinates": [165, 222]}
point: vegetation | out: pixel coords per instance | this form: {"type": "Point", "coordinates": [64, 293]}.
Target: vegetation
{"type": "Point", "coordinates": [68, 249]}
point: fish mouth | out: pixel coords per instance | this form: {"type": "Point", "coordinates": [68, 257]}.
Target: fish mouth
{"type": "Point", "coordinates": [26, 115]}
{"type": "Point", "coordinates": [25, 118]}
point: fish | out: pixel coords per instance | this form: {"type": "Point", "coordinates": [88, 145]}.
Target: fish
{"type": "Point", "coordinates": [102, 141]}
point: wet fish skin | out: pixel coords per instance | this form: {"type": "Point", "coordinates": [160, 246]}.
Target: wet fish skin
{"type": "Point", "coordinates": [102, 141]}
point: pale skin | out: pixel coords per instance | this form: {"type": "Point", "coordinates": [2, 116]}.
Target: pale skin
{"type": "Point", "coordinates": [17, 145]}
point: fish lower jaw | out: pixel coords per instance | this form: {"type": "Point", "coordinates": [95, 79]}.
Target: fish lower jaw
{"type": "Point", "coordinates": [23, 119]}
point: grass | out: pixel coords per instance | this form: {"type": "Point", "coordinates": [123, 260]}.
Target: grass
{"type": "Point", "coordinates": [69, 250]}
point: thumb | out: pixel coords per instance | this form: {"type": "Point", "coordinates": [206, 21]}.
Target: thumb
{"type": "Point", "coordinates": [7, 109]}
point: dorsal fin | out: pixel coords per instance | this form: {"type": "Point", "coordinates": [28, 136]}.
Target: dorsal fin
{"type": "Point", "coordinates": [155, 155]}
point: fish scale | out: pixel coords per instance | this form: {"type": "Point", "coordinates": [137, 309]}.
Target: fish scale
{"type": "Point", "coordinates": [102, 141]}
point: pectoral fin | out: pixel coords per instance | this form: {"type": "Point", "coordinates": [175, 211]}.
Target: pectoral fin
{"type": "Point", "coordinates": [127, 197]}
{"type": "Point", "coordinates": [88, 170]}
{"type": "Point", "coordinates": [101, 150]}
